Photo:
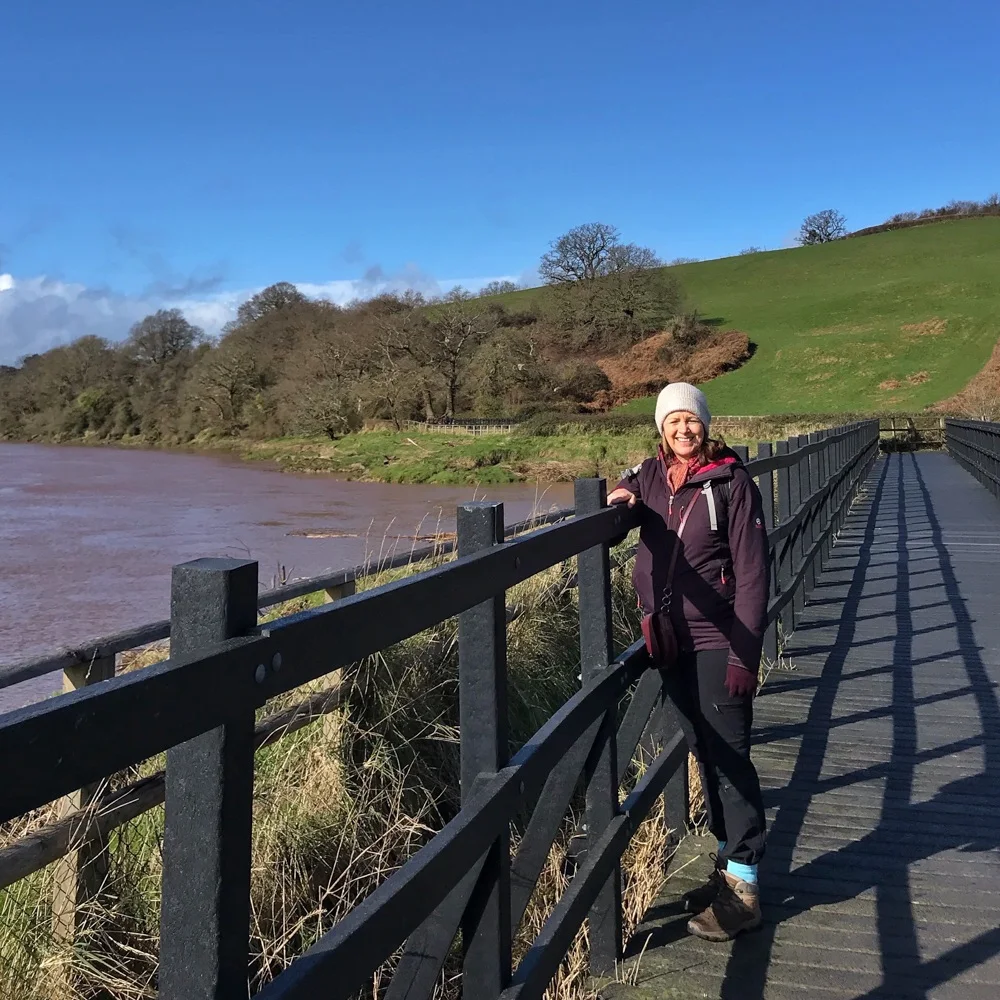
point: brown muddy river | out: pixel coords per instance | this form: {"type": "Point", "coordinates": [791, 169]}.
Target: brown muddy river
{"type": "Point", "coordinates": [88, 535]}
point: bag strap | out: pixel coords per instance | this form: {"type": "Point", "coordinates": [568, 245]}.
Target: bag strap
{"type": "Point", "coordinates": [676, 550]}
{"type": "Point", "coordinates": [713, 515]}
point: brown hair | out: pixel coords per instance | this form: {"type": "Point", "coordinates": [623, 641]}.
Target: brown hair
{"type": "Point", "coordinates": [711, 449]}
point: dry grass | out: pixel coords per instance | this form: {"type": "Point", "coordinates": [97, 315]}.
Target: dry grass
{"type": "Point", "coordinates": [933, 327]}
{"type": "Point", "coordinates": [980, 399]}
{"type": "Point", "coordinates": [339, 806]}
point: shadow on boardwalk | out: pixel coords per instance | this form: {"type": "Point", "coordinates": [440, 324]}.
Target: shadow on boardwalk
{"type": "Point", "coordinates": [880, 756]}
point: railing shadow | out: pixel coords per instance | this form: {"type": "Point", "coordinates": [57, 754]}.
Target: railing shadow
{"type": "Point", "coordinates": [953, 819]}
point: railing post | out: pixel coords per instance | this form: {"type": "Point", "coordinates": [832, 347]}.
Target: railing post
{"type": "Point", "coordinates": [812, 484]}
{"type": "Point", "coordinates": [80, 874]}
{"type": "Point", "coordinates": [601, 772]}
{"type": "Point", "coordinates": [676, 803]}
{"type": "Point", "coordinates": [991, 460]}
{"type": "Point", "coordinates": [205, 918]}
{"type": "Point", "coordinates": [841, 463]}
{"type": "Point", "coordinates": [785, 568]}
{"type": "Point", "coordinates": [797, 475]}
{"type": "Point", "coordinates": [826, 472]}
{"type": "Point", "coordinates": [482, 699]}
{"type": "Point", "coordinates": [336, 593]}
{"type": "Point", "coordinates": [764, 450]}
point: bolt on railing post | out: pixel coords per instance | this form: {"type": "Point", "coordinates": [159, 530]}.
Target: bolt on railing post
{"type": "Point", "coordinates": [79, 875]}
{"type": "Point", "coordinates": [483, 718]}
{"type": "Point", "coordinates": [785, 568]}
{"type": "Point", "coordinates": [765, 450]}
{"type": "Point", "coordinates": [601, 772]}
{"type": "Point", "coordinates": [205, 917]}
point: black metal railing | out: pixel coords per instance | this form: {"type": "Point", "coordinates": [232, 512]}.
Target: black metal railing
{"type": "Point", "coordinates": [975, 444]}
{"type": "Point", "coordinates": [199, 707]}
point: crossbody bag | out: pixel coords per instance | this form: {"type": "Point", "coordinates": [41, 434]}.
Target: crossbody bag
{"type": "Point", "coordinates": [657, 628]}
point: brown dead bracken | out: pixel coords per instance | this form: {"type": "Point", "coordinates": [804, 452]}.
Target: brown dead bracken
{"type": "Point", "coordinates": [980, 399]}
{"type": "Point", "coordinates": [639, 372]}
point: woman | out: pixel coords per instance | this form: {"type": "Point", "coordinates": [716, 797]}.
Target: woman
{"type": "Point", "coordinates": [697, 494]}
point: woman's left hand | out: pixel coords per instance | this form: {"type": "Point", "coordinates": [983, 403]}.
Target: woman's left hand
{"type": "Point", "coordinates": [740, 682]}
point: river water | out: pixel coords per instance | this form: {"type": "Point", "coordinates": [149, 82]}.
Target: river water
{"type": "Point", "coordinates": [88, 535]}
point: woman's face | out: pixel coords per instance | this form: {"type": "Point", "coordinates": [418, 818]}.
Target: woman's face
{"type": "Point", "coordinates": [683, 434]}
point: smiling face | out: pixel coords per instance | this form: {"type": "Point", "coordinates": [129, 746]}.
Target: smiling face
{"type": "Point", "coordinates": [683, 434]}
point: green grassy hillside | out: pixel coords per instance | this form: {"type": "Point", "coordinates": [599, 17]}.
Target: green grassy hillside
{"type": "Point", "coordinates": [894, 321]}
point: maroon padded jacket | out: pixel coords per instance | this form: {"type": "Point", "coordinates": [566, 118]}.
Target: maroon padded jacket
{"type": "Point", "coordinates": [720, 586]}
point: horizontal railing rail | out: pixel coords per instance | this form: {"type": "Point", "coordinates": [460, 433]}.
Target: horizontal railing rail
{"type": "Point", "coordinates": [113, 809]}
{"type": "Point", "coordinates": [199, 706]}
{"type": "Point", "coordinates": [975, 444]}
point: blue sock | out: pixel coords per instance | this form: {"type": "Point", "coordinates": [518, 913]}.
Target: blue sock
{"type": "Point", "coordinates": [746, 873]}
{"type": "Point", "coordinates": [722, 847]}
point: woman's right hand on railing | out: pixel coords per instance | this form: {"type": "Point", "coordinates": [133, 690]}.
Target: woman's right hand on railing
{"type": "Point", "coordinates": [621, 495]}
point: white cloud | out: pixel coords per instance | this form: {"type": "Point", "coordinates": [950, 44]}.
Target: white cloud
{"type": "Point", "coordinates": [38, 313]}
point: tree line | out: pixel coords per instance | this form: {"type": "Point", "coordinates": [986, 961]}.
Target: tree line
{"type": "Point", "coordinates": [288, 364]}
{"type": "Point", "coordinates": [829, 224]}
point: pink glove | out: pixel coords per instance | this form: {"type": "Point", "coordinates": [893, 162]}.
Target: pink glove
{"type": "Point", "coordinates": [740, 682]}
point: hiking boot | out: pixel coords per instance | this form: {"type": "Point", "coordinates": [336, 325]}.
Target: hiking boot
{"type": "Point", "coordinates": [735, 909]}
{"type": "Point", "coordinates": [696, 900]}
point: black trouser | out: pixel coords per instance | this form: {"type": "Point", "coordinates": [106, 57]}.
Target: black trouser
{"type": "Point", "coordinates": [717, 729]}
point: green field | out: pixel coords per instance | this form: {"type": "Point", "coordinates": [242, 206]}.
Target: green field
{"type": "Point", "coordinates": [894, 321]}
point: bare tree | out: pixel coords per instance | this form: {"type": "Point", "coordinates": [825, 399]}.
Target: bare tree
{"type": "Point", "coordinates": [749, 250]}
{"type": "Point", "coordinates": [276, 296]}
{"type": "Point", "coordinates": [579, 255]}
{"type": "Point", "coordinates": [822, 227]}
{"type": "Point", "coordinates": [228, 378]}
{"type": "Point", "coordinates": [462, 324]}
{"type": "Point", "coordinates": [604, 288]}
{"type": "Point", "coordinates": [507, 371]}
{"type": "Point", "coordinates": [499, 287]}
{"type": "Point", "coordinates": [161, 337]}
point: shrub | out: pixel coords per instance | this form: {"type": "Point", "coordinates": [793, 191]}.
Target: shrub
{"type": "Point", "coordinates": [687, 330]}
{"type": "Point", "coordinates": [550, 424]}
{"type": "Point", "coordinates": [583, 380]}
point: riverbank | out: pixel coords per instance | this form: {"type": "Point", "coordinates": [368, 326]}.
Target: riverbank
{"type": "Point", "coordinates": [380, 456]}
{"type": "Point", "coordinates": [403, 457]}
{"type": "Point", "coordinates": [454, 459]}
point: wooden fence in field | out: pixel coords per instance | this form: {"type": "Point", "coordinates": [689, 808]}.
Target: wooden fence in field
{"type": "Point", "coordinates": [899, 431]}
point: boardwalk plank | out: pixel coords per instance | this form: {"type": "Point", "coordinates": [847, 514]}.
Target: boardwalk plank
{"type": "Point", "coordinates": [879, 755]}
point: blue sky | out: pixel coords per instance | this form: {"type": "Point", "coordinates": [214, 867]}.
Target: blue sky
{"type": "Point", "coordinates": [189, 153]}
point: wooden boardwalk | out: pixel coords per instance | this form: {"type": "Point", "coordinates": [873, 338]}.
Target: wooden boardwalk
{"type": "Point", "coordinates": [879, 754]}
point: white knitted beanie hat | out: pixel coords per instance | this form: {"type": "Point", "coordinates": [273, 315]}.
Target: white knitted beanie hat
{"type": "Point", "coordinates": [682, 396]}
